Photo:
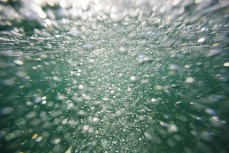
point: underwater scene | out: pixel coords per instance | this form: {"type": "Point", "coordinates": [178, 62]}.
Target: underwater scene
{"type": "Point", "coordinates": [114, 76]}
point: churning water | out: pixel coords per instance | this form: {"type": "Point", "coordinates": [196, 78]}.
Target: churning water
{"type": "Point", "coordinates": [114, 76]}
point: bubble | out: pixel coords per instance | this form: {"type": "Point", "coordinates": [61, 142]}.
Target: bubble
{"type": "Point", "coordinates": [215, 121]}
{"type": "Point", "coordinates": [122, 49]}
{"type": "Point", "coordinates": [56, 141]}
{"type": "Point", "coordinates": [60, 97]}
{"type": "Point", "coordinates": [172, 128]}
{"type": "Point", "coordinates": [163, 124]}
{"type": "Point", "coordinates": [69, 150]}
{"type": "Point", "coordinates": [173, 67]}
{"type": "Point", "coordinates": [226, 64]}
{"type": "Point", "coordinates": [104, 144]}
{"type": "Point", "coordinates": [90, 130]}
{"type": "Point", "coordinates": [158, 87]}
{"type": "Point", "coordinates": [6, 110]}
{"type": "Point", "coordinates": [39, 139]}
{"type": "Point", "coordinates": [153, 100]}
{"type": "Point", "coordinates": [214, 52]}
{"type": "Point", "coordinates": [9, 136]}
{"type": "Point", "coordinates": [206, 136]}
{"type": "Point", "coordinates": [9, 82]}
{"type": "Point", "coordinates": [65, 121]}
{"type": "Point", "coordinates": [189, 80]}
{"type": "Point", "coordinates": [88, 46]}
{"type": "Point", "coordinates": [56, 78]}
{"type": "Point", "coordinates": [21, 74]}
{"type": "Point", "coordinates": [201, 40]}
{"type": "Point", "coordinates": [82, 113]}
{"type": "Point", "coordinates": [37, 98]}
{"type": "Point", "coordinates": [210, 111]}
{"type": "Point", "coordinates": [18, 62]}
{"type": "Point", "coordinates": [81, 86]}
{"type": "Point", "coordinates": [95, 119]}
{"type": "Point", "coordinates": [141, 117]}
{"type": "Point", "coordinates": [187, 66]}
{"type": "Point", "coordinates": [144, 58]}
{"type": "Point", "coordinates": [148, 136]}
{"type": "Point", "coordinates": [74, 32]}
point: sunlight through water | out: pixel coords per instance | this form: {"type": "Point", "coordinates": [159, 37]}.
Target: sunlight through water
{"type": "Point", "coordinates": [114, 76]}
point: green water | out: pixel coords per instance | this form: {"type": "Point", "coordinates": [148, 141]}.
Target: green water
{"type": "Point", "coordinates": [155, 81]}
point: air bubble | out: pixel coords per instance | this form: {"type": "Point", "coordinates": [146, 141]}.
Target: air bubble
{"type": "Point", "coordinates": [18, 62]}
{"type": "Point", "coordinates": [189, 80]}
{"type": "Point", "coordinates": [226, 64]}
{"type": "Point", "coordinates": [6, 110]}
{"type": "Point", "coordinates": [201, 40]}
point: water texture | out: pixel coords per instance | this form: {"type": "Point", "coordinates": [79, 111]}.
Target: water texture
{"type": "Point", "coordinates": [106, 76]}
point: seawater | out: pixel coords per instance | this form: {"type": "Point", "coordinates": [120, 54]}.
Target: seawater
{"type": "Point", "coordinates": [114, 76]}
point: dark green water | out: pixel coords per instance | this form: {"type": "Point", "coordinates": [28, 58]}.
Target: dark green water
{"type": "Point", "coordinates": [126, 76]}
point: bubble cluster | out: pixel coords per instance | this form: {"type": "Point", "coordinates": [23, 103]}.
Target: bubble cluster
{"type": "Point", "coordinates": [114, 76]}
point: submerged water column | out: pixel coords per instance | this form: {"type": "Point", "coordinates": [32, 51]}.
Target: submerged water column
{"type": "Point", "coordinates": [114, 76]}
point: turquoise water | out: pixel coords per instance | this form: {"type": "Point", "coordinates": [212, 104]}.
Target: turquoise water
{"type": "Point", "coordinates": [96, 76]}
